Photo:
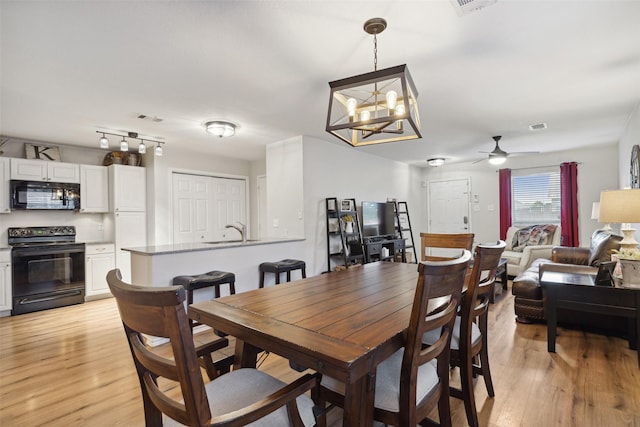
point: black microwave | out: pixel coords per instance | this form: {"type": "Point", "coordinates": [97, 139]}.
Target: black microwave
{"type": "Point", "coordinates": [45, 195]}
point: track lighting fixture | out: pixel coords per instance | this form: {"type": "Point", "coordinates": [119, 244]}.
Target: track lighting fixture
{"type": "Point", "coordinates": [124, 144]}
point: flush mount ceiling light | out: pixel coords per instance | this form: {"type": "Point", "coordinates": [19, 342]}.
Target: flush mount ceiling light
{"type": "Point", "coordinates": [436, 161]}
{"type": "Point", "coordinates": [124, 144]}
{"type": "Point", "coordinates": [376, 107]}
{"type": "Point", "coordinates": [220, 128]}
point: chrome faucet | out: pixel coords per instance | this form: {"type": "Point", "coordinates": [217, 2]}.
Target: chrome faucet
{"type": "Point", "coordinates": [242, 229]}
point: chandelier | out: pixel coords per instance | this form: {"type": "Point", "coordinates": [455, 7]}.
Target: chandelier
{"type": "Point", "coordinates": [376, 107]}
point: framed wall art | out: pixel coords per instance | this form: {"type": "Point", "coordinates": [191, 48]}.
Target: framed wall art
{"type": "Point", "coordinates": [42, 152]}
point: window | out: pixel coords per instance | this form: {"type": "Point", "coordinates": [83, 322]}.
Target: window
{"type": "Point", "coordinates": [535, 196]}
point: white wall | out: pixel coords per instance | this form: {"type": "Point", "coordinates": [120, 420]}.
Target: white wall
{"type": "Point", "coordinates": [336, 170]}
{"type": "Point", "coordinates": [630, 137]}
{"type": "Point", "coordinates": [597, 171]}
{"type": "Point", "coordinates": [285, 189]}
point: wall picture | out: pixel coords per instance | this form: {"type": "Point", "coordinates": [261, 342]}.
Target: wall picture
{"type": "Point", "coordinates": [42, 152]}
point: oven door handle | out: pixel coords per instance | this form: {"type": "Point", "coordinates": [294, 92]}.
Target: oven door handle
{"type": "Point", "coordinates": [23, 252]}
{"type": "Point", "coordinates": [49, 297]}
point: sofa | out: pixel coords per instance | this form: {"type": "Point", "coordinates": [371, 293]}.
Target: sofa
{"type": "Point", "coordinates": [526, 244]}
{"type": "Point", "coordinates": [529, 303]}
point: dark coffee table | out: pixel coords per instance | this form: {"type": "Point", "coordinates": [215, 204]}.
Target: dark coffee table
{"type": "Point", "coordinates": [578, 292]}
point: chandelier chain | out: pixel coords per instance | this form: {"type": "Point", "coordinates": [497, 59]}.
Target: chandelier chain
{"type": "Point", "coordinates": [375, 52]}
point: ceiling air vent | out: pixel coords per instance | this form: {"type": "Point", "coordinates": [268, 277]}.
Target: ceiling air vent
{"type": "Point", "coordinates": [153, 119]}
{"type": "Point", "coordinates": [538, 126]}
{"type": "Point", "coordinates": [464, 7]}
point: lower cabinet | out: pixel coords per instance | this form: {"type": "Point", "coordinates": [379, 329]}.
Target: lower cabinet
{"type": "Point", "coordinates": [100, 258]}
{"type": "Point", "coordinates": [5, 282]}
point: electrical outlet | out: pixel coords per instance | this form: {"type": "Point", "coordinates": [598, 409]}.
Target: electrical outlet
{"type": "Point", "coordinates": [100, 227]}
{"type": "Point", "coordinates": [275, 223]}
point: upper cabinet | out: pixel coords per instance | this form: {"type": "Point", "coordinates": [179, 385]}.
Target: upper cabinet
{"type": "Point", "coordinates": [41, 170]}
{"type": "Point", "coordinates": [4, 185]}
{"type": "Point", "coordinates": [94, 189]}
{"type": "Point", "coordinates": [128, 188]}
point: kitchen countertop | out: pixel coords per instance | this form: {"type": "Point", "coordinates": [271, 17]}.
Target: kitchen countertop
{"type": "Point", "coordinates": [204, 246]}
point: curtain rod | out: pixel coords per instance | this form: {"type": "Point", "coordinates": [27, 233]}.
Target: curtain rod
{"type": "Point", "coordinates": [538, 167]}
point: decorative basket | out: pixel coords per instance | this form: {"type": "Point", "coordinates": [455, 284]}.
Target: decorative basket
{"type": "Point", "coordinates": [122, 158]}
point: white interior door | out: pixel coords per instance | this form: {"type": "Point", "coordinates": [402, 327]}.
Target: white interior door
{"type": "Point", "coordinates": [229, 203]}
{"type": "Point", "coordinates": [192, 202]}
{"type": "Point", "coordinates": [449, 206]}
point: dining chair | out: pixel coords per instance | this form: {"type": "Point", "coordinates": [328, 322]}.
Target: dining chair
{"type": "Point", "coordinates": [415, 379]}
{"type": "Point", "coordinates": [469, 337]}
{"type": "Point", "coordinates": [442, 244]}
{"type": "Point", "coordinates": [237, 398]}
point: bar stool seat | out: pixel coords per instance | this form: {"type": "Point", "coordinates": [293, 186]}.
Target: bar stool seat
{"type": "Point", "coordinates": [283, 266]}
{"type": "Point", "coordinates": [212, 278]}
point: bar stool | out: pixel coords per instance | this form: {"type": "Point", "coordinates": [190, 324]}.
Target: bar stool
{"type": "Point", "coordinates": [214, 368]}
{"type": "Point", "coordinates": [283, 266]}
{"type": "Point", "coordinates": [206, 280]}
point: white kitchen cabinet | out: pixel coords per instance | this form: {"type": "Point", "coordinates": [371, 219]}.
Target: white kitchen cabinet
{"type": "Point", "coordinates": [128, 188]}
{"type": "Point", "coordinates": [5, 282]}
{"type": "Point", "coordinates": [5, 176]}
{"type": "Point", "coordinates": [43, 170]}
{"type": "Point", "coordinates": [100, 259]}
{"type": "Point", "coordinates": [130, 232]}
{"type": "Point", "coordinates": [94, 189]}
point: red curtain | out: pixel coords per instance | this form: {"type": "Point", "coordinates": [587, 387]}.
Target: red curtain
{"type": "Point", "coordinates": [504, 177]}
{"type": "Point", "coordinates": [569, 204]}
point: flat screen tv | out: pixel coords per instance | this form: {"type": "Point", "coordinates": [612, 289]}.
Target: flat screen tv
{"type": "Point", "coordinates": [378, 219]}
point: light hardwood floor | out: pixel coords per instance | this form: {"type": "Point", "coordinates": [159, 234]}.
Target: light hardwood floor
{"type": "Point", "coordinates": [71, 367]}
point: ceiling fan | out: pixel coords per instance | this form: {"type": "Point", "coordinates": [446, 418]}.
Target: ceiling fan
{"type": "Point", "coordinates": [498, 155]}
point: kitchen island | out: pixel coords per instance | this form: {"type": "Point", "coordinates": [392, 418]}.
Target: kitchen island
{"type": "Point", "coordinates": [158, 265]}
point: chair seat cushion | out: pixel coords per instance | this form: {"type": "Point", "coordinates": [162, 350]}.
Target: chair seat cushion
{"type": "Point", "coordinates": [433, 336]}
{"type": "Point", "coordinates": [388, 382]}
{"type": "Point", "coordinates": [243, 387]}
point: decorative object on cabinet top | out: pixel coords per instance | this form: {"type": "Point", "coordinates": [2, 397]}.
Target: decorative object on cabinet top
{"type": "Point", "coordinates": [42, 152]}
{"type": "Point", "coordinates": [124, 144]}
{"type": "Point", "coordinates": [122, 158]}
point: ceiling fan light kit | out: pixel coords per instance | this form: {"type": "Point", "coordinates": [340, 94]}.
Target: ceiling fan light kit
{"type": "Point", "coordinates": [376, 107]}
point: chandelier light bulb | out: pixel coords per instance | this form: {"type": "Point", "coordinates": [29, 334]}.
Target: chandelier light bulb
{"type": "Point", "coordinates": [124, 145]}
{"type": "Point", "coordinates": [104, 141]}
{"type": "Point", "coordinates": [400, 110]}
{"type": "Point", "coordinates": [392, 97]}
{"type": "Point", "coordinates": [365, 115]}
{"type": "Point", "coordinates": [351, 107]}
{"type": "Point", "coordinates": [158, 150]}
{"type": "Point", "coordinates": [142, 148]}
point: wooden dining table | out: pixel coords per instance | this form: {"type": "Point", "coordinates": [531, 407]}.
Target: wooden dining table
{"type": "Point", "coordinates": [342, 324]}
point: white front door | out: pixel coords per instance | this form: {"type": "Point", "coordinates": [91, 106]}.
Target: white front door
{"type": "Point", "coordinates": [449, 206]}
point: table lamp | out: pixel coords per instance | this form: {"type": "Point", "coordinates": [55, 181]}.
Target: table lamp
{"type": "Point", "coordinates": [621, 207]}
{"type": "Point", "coordinates": [595, 214]}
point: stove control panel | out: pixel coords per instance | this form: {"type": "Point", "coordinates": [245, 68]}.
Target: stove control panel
{"type": "Point", "coordinates": [64, 230]}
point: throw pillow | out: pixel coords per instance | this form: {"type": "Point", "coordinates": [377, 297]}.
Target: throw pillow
{"type": "Point", "coordinates": [533, 235]}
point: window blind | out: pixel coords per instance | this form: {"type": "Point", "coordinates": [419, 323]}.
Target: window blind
{"type": "Point", "coordinates": [535, 196]}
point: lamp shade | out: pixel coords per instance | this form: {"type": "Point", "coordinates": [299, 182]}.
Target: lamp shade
{"type": "Point", "coordinates": [620, 206]}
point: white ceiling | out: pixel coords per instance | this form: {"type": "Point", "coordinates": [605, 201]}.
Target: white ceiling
{"type": "Point", "coordinates": [69, 68]}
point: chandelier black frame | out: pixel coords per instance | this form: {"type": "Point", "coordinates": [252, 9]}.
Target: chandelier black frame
{"type": "Point", "coordinates": [376, 107]}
